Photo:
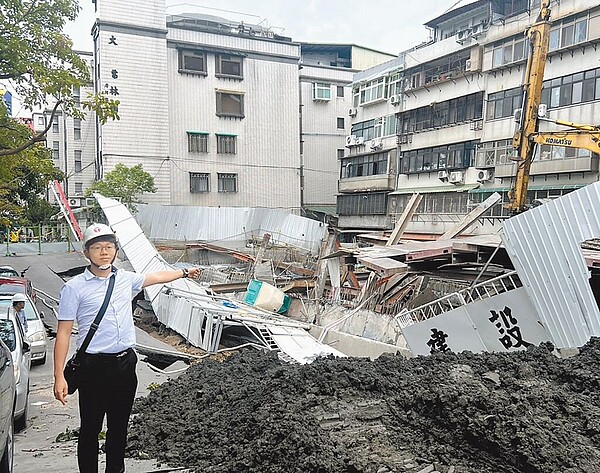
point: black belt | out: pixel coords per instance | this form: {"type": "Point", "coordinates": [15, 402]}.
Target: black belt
{"type": "Point", "coordinates": [110, 355]}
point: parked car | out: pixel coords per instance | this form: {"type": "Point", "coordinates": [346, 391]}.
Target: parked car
{"type": "Point", "coordinates": [8, 271]}
{"type": "Point", "coordinates": [7, 401]}
{"type": "Point", "coordinates": [13, 336]}
{"type": "Point", "coordinates": [36, 332]}
{"type": "Point", "coordinates": [13, 284]}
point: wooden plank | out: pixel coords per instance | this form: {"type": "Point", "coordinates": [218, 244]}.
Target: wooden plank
{"type": "Point", "coordinates": [471, 217]}
{"type": "Point", "coordinates": [405, 218]}
{"type": "Point", "coordinates": [434, 252]}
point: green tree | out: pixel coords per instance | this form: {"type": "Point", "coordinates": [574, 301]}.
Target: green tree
{"type": "Point", "coordinates": [38, 61]}
{"type": "Point", "coordinates": [23, 176]}
{"type": "Point", "coordinates": [126, 184]}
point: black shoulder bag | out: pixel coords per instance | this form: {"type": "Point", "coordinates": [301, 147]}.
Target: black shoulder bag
{"type": "Point", "coordinates": [72, 369]}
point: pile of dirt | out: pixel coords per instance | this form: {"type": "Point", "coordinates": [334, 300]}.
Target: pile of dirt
{"type": "Point", "coordinates": [521, 412]}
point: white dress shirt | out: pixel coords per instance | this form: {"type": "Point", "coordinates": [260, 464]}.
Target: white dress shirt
{"type": "Point", "coordinates": [81, 298]}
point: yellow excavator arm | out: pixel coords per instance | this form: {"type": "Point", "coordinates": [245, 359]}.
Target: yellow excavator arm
{"type": "Point", "coordinates": [539, 37]}
{"type": "Point", "coordinates": [570, 139]}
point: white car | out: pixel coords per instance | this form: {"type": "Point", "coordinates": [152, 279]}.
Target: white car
{"type": "Point", "coordinates": [36, 332]}
{"type": "Point", "coordinates": [11, 333]}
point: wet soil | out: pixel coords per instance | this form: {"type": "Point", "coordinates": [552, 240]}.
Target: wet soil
{"type": "Point", "coordinates": [522, 412]}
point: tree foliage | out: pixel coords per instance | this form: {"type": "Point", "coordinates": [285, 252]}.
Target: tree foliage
{"type": "Point", "coordinates": [24, 176]}
{"type": "Point", "coordinates": [125, 183]}
{"type": "Point", "coordinates": [38, 60]}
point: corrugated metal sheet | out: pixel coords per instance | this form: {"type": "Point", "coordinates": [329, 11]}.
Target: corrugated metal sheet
{"type": "Point", "coordinates": [544, 245]}
{"type": "Point", "coordinates": [186, 308]}
{"type": "Point", "coordinates": [180, 223]}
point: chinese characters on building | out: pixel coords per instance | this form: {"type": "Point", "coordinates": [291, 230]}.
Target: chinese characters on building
{"type": "Point", "coordinates": [112, 89]}
{"type": "Point", "coordinates": [437, 341]}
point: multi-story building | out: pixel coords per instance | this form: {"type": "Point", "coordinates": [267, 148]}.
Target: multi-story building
{"type": "Point", "coordinates": [456, 116]}
{"type": "Point", "coordinates": [72, 141]}
{"type": "Point", "coordinates": [210, 107]}
{"type": "Point", "coordinates": [326, 111]}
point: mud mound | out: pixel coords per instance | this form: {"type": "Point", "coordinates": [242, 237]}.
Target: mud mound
{"type": "Point", "coordinates": [523, 412]}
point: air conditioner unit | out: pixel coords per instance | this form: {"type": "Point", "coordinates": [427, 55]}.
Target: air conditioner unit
{"type": "Point", "coordinates": [395, 100]}
{"type": "Point", "coordinates": [376, 143]}
{"type": "Point", "coordinates": [463, 35]}
{"type": "Point", "coordinates": [477, 29]}
{"type": "Point", "coordinates": [350, 141]}
{"type": "Point", "coordinates": [74, 202]}
{"type": "Point", "coordinates": [468, 65]}
{"type": "Point", "coordinates": [456, 177]}
{"type": "Point", "coordinates": [484, 175]}
{"type": "Point", "coordinates": [443, 175]}
{"type": "Point", "coordinates": [360, 140]}
{"type": "Point", "coordinates": [89, 201]}
{"type": "Point", "coordinates": [352, 112]}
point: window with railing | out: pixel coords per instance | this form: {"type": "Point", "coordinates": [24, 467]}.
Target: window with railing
{"type": "Point", "coordinates": [494, 153]}
{"type": "Point", "coordinates": [455, 156]}
{"type": "Point", "coordinates": [366, 165]}
{"type": "Point", "coordinates": [372, 91]}
{"type": "Point", "coordinates": [442, 203]}
{"type": "Point", "coordinates": [227, 182]}
{"type": "Point", "coordinates": [199, 182]}
{"type": "Point", "coordinates": [373, 203]}
{"type": "Point", "coordinates": [226, 144]}
{"type": "Point", "coordinates": [197, 142]}
{"type": "Point", "coordinates": [436, 115]}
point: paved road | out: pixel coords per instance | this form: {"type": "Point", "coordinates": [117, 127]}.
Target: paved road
{"type": "Point", "coordinates": [36, 449]}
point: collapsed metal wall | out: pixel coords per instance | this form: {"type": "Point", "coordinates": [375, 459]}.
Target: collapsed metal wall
{"type": "Point", "coordinates": [180, 223]}
{"type": "Point", "coordinates": [544, 246]}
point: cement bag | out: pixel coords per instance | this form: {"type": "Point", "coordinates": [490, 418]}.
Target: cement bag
{"type": "Point", "coordinates": [263, 295]}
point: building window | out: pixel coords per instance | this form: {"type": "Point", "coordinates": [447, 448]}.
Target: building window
{"type": "Point", "coordinates": [340, 153]}
{"type": "Point", "coordinates": [230, 104]}
{"type": "Point", "coordinates": [76, 128]}
{"type": "Point", "coordinates": [55, 150]}
{"type": "Point", "coordinates": [373, 90]}
{"type": "Point", "coordinates": [340, 90]}
{"type": "Point", "coordinates": [506, 52]}
{"type": "Point", "coordinates": [450, 157]}
{"type": "Point", "coordinates": [394, 84]}
{"type": "Point", "coordinates": [374, 203]}
{"type": "Point", "coordinates": [55, 124]}
{"type": "Point", "coordinates": [77, 156]}
{"type": "Point", "coordinates": [197, 142]}
{"type": "Point", "coordinates": [192, 62]}
{"type": "Point", "coordinates": [199, 182]}
{"type": "Point", "coordinates": [568, 32]}
{"type": "Point", "coordinates": [572, 89]}
{"type": "Point", "coordinates": [226, 144]}
{"type": "Point", "coordinates": [340, 123]}
{"type": "Point", "coordinates": [367, 165]}
{"type": "Point", "coordinates": [503, 104]}
{"type": "Point", "coordinates": [228, 66]}
{"type": "Point", "coordinates": [494, 153]}
{"type": "Point", "coordinates": [227, 182]}
{"type": "Point", "coordinates": [450, 112]}
{"type": "Point", "coordinates": [78, 188]}
{"type": "Point", "coordinates": [321, 91]}
{"type": "Point", "coordinates": [77, 96]}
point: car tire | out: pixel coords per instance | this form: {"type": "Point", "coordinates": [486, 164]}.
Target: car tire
{"type": "Point", "coordinates": [21, 421]}
{"type": "Point", "coordinates": [6, 463]}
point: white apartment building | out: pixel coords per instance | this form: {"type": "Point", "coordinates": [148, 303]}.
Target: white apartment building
{"type": "Point", "coordinates": [73, 142]}
{"type": "Point", "coordinates": [455, 119]}
{"type": "Point", "coordinates": [326, 112]}
{"type": "Point", "coordinates": [220, 112]}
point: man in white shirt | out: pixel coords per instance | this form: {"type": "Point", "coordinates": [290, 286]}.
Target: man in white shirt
{"type": "Point", "coordinates": [108, 378]}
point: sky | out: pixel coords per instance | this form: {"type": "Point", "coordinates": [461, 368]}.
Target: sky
{"type": "Point", "coordinates": [390, 26]}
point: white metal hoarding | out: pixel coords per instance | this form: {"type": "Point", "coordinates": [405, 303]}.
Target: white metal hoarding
{"type": "Point", "coordinates": [505, 322]}
{"type": "Point", "coordinates": [544, 246]}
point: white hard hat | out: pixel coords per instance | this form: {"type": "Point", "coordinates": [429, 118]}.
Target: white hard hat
{"type": "Point", "coordinates": [18, 297]}
{"type": "Point", "coordinates": [96, 230]}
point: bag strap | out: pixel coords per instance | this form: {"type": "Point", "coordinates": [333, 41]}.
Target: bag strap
{"type": "Point", "coordinates": [96, 322]}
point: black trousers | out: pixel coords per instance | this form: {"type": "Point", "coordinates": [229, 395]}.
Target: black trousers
{"type": "Point", "coordinates": [108, 385]}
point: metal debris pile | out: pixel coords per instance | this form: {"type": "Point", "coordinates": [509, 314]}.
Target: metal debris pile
{"type": "Point", "coordinates": [526, 411]}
